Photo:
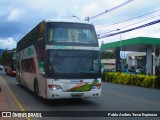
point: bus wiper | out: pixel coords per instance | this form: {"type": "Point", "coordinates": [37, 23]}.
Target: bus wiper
{"type": "Point", "coordinates": [86, 72]}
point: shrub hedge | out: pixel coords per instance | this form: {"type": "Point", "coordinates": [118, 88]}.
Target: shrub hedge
{"type": "Point", "coordinates": [129, 79]}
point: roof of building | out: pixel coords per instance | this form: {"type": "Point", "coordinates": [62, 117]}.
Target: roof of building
{"type": "Point", "coordinates": [133, 44]}
{"type": "Point", "coordinates": [108, 60]}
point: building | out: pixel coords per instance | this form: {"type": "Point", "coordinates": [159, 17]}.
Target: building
{"type": "Point", "coordinates": [109, 64]}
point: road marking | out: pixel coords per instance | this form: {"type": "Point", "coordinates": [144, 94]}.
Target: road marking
{"type": "Point", "coordinates": [14, 97]}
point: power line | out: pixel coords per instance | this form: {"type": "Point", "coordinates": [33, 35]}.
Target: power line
{"type": "Point", "coordinates": [109, 10]}
{"type": "Point", "coordinates": [142, 26]}
{"type": "Point", "coordinates": [131, 24]}
{"type": "Point", "coordinates": [129, 19]}
{"type": "Point", "coordinates": [140, 21]}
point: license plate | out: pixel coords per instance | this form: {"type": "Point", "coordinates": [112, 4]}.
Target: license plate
{"type": "Point", "coordinates": [77, 95]}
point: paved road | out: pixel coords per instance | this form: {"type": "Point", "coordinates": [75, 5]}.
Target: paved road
{"type": "Point", "coordinates": [114, 98]}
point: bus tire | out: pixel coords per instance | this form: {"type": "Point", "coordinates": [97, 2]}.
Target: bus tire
{"type": "Point", "coordinates": [36, 87]}
{"type": "Point", "coordinates": [19, 79]}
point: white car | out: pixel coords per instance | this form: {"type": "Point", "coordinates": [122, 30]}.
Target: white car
{"type": "Point", "coordinates": [138, 70]}
{"type": "Point", "coordinates": [1, 67]}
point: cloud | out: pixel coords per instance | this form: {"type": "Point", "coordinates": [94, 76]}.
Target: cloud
{"type": "Point", "coordinates": [15, 15]}
{"type": "Point", "coordinates": [8, 43]}
{"type": "Point", "coordinates": [20, 16]}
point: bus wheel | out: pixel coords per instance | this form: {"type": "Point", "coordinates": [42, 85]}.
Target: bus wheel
{"type": "Point", "coordinates": [36, 87]}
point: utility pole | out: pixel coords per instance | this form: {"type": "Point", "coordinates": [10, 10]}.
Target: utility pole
{"type": "Point", "coordinates": [87, 19]}
{"type": "Point", "coordinates": [122, 65]}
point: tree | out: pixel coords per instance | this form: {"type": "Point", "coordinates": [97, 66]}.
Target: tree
{"type": "Point", "coordinates": [3, 57]}
{"type": "Point", "coordinates": [4, 60]}
{"type": "Point", "coordinates": [107, 55]}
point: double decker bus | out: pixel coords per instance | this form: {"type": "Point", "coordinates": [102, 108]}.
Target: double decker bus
{"type": "Point", "coordinates": [60, 59]}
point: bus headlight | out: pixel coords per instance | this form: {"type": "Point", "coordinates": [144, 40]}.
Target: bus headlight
{"type": "Point", "coordinates": [96, 87]}
{"type": "Point", "coordinates": [55, 87]}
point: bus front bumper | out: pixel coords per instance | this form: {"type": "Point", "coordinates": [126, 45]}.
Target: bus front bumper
{"type": "Point", "coordinates": [59, 95]}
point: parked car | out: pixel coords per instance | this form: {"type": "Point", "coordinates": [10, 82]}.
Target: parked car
{"type": "Point", "coordinates": [130, 71]}
{"type": "Point", "coordinates": [10, 70]}
{"type": "Point", "coordinates": [1, 67]}
{"type": "Point", "coordinates": [106, 70]}
{"type": "Point", "coordinates": [138, 70]}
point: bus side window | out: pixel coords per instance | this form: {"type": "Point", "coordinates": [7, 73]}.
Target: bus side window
{"type": "Point", "coordinates": [30, 68]}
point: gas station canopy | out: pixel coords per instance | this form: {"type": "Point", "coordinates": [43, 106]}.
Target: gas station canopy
{"type": "Point", "coordinates": [138, 44]}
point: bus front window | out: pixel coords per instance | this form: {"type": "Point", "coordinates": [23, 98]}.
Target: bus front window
{"type": "Point", "coordinates": [70, 63]}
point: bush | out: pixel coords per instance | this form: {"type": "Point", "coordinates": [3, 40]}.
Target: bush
{"type": "Point", "coordinates": [129, 79]}
{"type": "Point", "coordinates": [149, 81]}
{"type": "Point", "coordinates": [139, 80]}
{"type": "Point", "coordinates": [157, 82]}
{"type": "Point", "coordinates": [122, 79]}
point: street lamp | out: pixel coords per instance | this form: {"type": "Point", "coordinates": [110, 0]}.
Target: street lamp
{"type": "Point", "coordinates": [76, 17]}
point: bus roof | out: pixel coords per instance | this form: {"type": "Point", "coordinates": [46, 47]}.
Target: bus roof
{"type": "Point", "coordinates": [68, 21]}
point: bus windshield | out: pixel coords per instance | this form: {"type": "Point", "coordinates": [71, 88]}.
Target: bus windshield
{"type": "Point", "coordinates": [73, 64]}
{"type": "Point", "coordinates": [71, 34]}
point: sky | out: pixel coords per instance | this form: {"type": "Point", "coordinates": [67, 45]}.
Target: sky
{"type": "Point", "coordinates": [18, 17]}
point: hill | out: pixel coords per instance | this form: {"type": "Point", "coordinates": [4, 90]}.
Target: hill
{"type": "Point", "coordinates": [1, 51]}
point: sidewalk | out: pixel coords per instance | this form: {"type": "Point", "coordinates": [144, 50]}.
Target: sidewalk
{"type": "Point", "coordinates": [3, 103]}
